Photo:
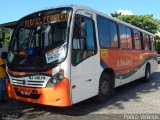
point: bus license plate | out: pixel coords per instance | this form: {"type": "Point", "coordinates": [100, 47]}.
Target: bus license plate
{"type": "Point", "coordinates": [25, 93]}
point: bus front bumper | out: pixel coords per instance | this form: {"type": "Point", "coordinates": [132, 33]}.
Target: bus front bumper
{"type": "Point", "coordinates": [58, 95]}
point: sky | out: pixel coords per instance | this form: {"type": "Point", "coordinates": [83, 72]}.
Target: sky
{"type": "Point", "coordinates": [12, 10]}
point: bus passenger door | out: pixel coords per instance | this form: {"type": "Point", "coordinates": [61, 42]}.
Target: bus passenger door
{"type": "Point", "coordinates": [85, 59]}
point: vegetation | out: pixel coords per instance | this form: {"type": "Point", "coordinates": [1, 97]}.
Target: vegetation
{"type": "Point", "coordinates": [146, 22]}
{"type": "Point", "coordinates": [5, 35]}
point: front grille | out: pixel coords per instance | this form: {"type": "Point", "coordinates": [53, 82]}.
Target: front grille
{"type": "Point", "coordinates": [25, 81]}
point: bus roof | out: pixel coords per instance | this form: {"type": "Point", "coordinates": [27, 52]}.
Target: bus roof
{"type": "Point", "coordinates": [77, 7]}
{"type": "Point", "coordinates": [9, 24]}
{"type": "Point", "coordinates": [112, 18]}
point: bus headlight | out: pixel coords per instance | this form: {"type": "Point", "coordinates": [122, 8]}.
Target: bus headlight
{"type": "Point", "coordinates": [58, 77]}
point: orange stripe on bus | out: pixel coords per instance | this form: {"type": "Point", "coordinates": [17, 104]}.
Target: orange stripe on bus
{"type": "Point", "coordinates": [116, 59]}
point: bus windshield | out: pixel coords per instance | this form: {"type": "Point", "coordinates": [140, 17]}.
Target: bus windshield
{"type": "Point", "coordinates": [40, 38]}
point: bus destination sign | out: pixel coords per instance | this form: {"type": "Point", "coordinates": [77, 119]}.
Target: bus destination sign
{"type": "Point", "coordinates": [46, 19]}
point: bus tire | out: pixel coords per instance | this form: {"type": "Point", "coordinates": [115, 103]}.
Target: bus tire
{"type": "Point", "coordinates": [147, 73]}
{"type": "Point", "coordinates": [105, 88]}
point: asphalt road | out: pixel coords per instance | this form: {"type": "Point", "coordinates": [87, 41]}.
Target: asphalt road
{"type": "Point", "coordinates": [129, 101]}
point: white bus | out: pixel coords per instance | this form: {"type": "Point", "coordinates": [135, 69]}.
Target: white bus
{"type": "Point", "coordinates": [64, 55]}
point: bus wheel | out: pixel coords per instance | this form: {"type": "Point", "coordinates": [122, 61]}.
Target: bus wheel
{"type": "Point", "coordinates": [105, 88]}
{"type": "Point", "coordinates": [147, 74]}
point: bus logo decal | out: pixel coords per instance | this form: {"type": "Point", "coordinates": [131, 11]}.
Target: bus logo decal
{"type": "Point", "coordinates": [24, 82]}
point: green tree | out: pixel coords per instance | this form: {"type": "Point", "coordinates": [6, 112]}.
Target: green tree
{"type": "Point", "coordinates": [146, 22]}
{"type": "Point", "coordinates": [116, 14]}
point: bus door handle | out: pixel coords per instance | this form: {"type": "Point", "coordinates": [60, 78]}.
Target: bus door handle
{"type": "Point", "coordinates": [89, 80]}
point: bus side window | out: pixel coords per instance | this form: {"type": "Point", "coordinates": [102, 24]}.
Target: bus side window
{"type": "Point", "coordinates": [107, 33]}
{"type": "Point", "coordinates": [129, 38]}
{"type": "Point", "coordinates": [79, 33]}
{"type": "Point", "coordinates": [113, 34]}
{"type": "Point", "coordinates": [83, 43]}
{"type": "Point", "coordinates": [146, 42]}
{"type": "Point", "coordinates": [153, 46]}
{"type": "Point", "coordinates": [123, 37]}
{"type": "Point", "coordinates": [103, 32]}
{"type": "Point", "coordinates": [137, 40]}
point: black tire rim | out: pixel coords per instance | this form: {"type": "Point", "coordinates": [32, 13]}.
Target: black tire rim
{"type": "Point", "coordinates": [104, 87]}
